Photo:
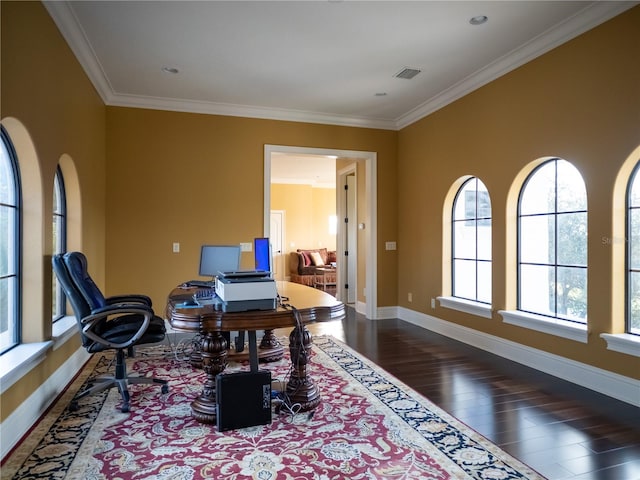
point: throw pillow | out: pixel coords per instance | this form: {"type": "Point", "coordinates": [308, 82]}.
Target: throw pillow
{"type": "Point", "coordinates": [316, 259]}
{"type": "Point", "coordinates": [306, 258]}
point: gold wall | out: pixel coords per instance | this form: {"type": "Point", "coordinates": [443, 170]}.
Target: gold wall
{"type": "Point", "coordinates": [579, 102]}
{"type": "Point", "coordinates": [44, 89]}
{"type": "Point", "coordinates": [307, 211]}
{"type": "Point", "coordinates": [194, 179]}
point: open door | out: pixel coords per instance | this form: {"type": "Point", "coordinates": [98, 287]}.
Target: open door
{"type": "Point", "coordinates": [276, 237]}
{"type": "Point", "coordinates": [349, 272]}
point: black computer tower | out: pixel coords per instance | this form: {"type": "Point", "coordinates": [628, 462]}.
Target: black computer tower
{"type": "Point", "coordinates": [243, 399]}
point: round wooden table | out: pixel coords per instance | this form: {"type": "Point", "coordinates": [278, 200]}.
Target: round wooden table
{"type": "Point", "coordinates": [299, 305]}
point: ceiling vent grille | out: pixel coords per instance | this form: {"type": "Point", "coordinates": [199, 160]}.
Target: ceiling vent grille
{"type": "Point", "coordinates": [407, 73]}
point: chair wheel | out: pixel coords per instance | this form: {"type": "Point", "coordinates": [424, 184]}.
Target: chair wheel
{"type": "Point", "coordinates": [165, 389]}
{"type": "Point", "coordinates": [125, 408]}
{"type": "Point", "coordinates": [73, 406]}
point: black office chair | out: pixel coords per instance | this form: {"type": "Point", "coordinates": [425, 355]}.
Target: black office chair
{"type": "Point", "coordinates": [115, 323]}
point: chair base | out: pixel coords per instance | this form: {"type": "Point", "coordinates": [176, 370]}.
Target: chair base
{"type": "Point", "coordinates": [120, 380]}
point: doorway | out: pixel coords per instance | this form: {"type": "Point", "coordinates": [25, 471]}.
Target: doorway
{"type": "Point", "coordinates": [366, 302]}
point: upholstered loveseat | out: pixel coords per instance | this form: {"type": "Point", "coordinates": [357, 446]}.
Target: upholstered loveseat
{"type": "Point", "coordinates": [303, 264]}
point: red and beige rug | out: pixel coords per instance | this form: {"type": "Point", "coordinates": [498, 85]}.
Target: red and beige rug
{"type": "Point", "coordinates": [368, 426]}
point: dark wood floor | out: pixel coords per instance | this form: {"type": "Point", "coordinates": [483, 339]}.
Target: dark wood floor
{"type": "Point", "coordinates": [560, 429]}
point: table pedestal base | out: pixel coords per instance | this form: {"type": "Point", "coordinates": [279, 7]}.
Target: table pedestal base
{"type": "Point", "coordinates": [301, 388]}
{"type": "Point", "coordinates": [214, 360]}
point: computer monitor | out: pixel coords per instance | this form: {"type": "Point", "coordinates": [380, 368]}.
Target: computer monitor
{"type": "Point", "coordinates": [262, 254]}
{"type": "Point", "coordinates": [218, 258]}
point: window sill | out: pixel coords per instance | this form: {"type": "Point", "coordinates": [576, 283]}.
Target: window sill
{"type": "Point", "coordinates": [552, 326]}
{"type": "Point", "coordinates": [63, 330]}
{"type": "Point", "coordinates": [18, 361]}
{"type": "Point", "coordinates": [467, 306]}
{"type": "Point", "coordinates": [623, 343]}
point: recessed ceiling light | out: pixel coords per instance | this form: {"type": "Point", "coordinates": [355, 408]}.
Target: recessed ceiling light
{"type": "Point", "coordinates": [170, 70]}
{"type": "Point", "coordinates": [479, 20]}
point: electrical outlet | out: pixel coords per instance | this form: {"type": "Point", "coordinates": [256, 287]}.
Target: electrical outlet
{"type": "Point", "coordinates": [410, 297]}
{"type": "Point", "coordinates": [246, 246]}
{"type": "Point", "coordinates": [176, 247]}
{"type": "Point", "coordinates": [433, 303]}
{"type": "Point", "coordinates": [390, 245]}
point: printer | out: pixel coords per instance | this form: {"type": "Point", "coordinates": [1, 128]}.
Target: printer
{"type": "Point", "coordinates": [246, 290]}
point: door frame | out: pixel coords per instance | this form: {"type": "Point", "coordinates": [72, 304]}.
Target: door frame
{"type": "Point", "coordinates": [370, 220]}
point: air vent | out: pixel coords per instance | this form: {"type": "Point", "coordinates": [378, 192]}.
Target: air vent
{"type": "Point", "coordinates": [407, 73]}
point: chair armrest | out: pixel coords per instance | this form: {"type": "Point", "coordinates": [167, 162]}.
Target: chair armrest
{"type": "Point", "coordinates": [119, 309]}
{"type": "Point", "coordinates": [100, 317]}
{"type": "Point", "coordinates": [129, 298]}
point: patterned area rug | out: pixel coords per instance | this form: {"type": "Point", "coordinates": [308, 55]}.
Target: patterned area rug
{"type": "Point", "coordinates": [368, 426]}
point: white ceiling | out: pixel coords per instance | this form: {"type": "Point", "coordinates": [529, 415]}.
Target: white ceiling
{"type": "Point", "coordinates": [305, 169]}
{"type": "Point", "coordinates": [311, 61]}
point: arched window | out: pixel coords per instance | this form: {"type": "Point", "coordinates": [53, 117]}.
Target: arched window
{"type": "Point", "coordinates": [552, 242]}
{"type": "Point", "coordinates": [10, 253]}
{"type": "Point", "coordinates": [633, 254]}
{"type": "Point", "coordinates": [59, 300]}
{"type": "Point", "coordinates": [471, 237]}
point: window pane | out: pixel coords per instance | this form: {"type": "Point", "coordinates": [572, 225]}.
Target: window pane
{"type": "Point", "coordinates": [7, 181]}
{"type": "Point", "coordinates": [57, 207]}
{"type": "Point", "coordinates": [634, 303]}
{"type": "Point", "coordinates": [572, 239]}
{"type": "Point", "coordinates": [634, 193]}
{"type": "Point", "coordinates": [484, 240]}
{"type": "Point", "coordinates": [572, 194]}
{"type": "Point", "coordinates": [634, 238]}
{"type": "Point", "coordinates": [572, 293]}
{"type": "Point", "coordinates": [536, 289]}
{"type": "Point", "coordinates": [465, 279]}
{"type": "Point", "coordinates": [7, 235]}
{"type": "Point", "coordinates": [537, 239]}
{"type": "Point", "coordinates": [464, 243]}
{"type": "Point", "coordinates": [539, 191]}
{"type": "Point", "coordinates": [484, 282]}
{"type": "Point", "coordinates": [462, 208]}
{"type": "Point", "coordinates": [7, 312]}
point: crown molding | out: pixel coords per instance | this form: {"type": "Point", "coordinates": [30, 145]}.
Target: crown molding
{"type": "Point", "coordinates": [212, 108]}
{"type": "Point", "coordinates": [588, 18]}
{"type": "Point", "coordinates": [72, 32]}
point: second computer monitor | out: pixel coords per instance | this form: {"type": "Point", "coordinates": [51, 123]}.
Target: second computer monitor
{"type": "Point", "coordinates": [219, 258]}
{"type": "Point", "coordinates": [262, 254]}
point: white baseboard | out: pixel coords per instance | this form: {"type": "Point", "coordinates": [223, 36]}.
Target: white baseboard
{"type": "Point", "coordinates": [27, 414]}
{"type": "Point", "coordinates": [361, 307]}
{"type": "Point", "coordinates": [602, 381]}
